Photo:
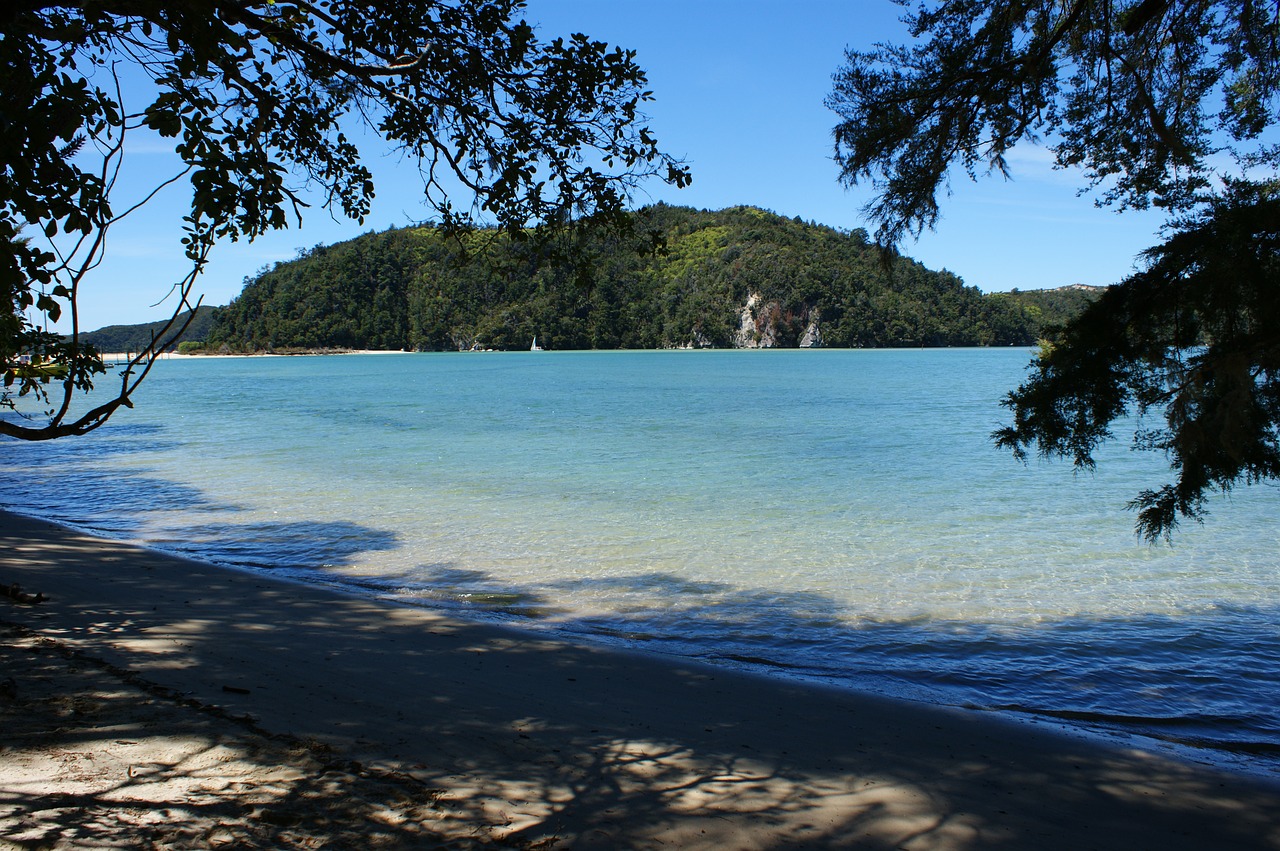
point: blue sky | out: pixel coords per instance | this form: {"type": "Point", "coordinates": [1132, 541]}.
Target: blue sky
{"type": "Point", "coordinates": [739, 88]}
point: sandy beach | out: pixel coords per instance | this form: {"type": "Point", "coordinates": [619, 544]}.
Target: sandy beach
{"type": "Point", "coordinates": [152, 702]}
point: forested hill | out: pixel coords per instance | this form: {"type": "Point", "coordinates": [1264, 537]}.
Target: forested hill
{"type": "Point", "coordinates": [134, 338]}
{"type": "Point", "coordinates": [739, 277]}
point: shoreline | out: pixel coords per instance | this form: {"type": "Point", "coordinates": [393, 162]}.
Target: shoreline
{"type": "Point", "coordinates": [123, 357]}
{"type": "Point", "coordinates": [1221, 758]}
{"type": "Point", "coordinates": [480, 733]}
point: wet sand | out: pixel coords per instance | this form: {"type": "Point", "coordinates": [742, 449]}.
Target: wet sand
{"type": "Point", "coordinates": [157, 702]}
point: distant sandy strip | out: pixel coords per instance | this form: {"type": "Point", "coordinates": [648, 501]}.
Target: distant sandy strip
{"type": "Point", "coordinates": [124, 357]}
{"type": "Point", "coordinates": [153, 702]}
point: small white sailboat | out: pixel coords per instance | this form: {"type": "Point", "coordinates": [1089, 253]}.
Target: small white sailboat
{"type": "Point", "coordinates": [535, 347]}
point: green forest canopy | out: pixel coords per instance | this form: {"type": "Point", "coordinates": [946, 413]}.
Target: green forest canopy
{"type": "Point", "coordinates": [121, 339]}
{"type": "Point", "coordinates": [808, 284]}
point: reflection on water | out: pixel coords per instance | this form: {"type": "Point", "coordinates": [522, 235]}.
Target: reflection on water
{"type": "Point", "coordinates": [834, 515]}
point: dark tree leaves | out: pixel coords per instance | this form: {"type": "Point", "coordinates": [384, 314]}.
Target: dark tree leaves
{"type": "Point", "coordinates": [1138, 95]}
{"type": "Point", "coordinates": [255, 98]}
{"type": "Point", "coordinates": [1193, 340]}
{"type": "Point", "coordinates": [1165, 103]}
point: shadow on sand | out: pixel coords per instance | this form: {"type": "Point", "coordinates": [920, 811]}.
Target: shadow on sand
{"type": "Point", "coordinates": [471, 733]}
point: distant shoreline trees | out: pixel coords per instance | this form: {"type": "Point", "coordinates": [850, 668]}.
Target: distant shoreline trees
{"type": "Point", "coordinates": [410, 288]}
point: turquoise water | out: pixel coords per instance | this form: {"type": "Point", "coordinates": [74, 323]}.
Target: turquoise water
{"type": "Point", "coordinates": [834, 515]}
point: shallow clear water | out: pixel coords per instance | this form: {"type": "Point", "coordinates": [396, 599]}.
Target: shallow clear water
{"type": "Point", "coordinates": [837, 515]}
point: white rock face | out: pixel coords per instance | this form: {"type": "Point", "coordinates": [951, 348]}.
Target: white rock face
{"type": "Point", "coordinates": [697, 340]}
{"type": "Point", "coordinates": [758, 325]}
{"type": "Point", "coordinates": [812, 338]}
{"type": "Point", "coordinates": [745, 338]}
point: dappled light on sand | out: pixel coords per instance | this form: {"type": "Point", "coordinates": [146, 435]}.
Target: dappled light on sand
{"type": "Point", "coordinates": [114, 764]}
{"type": "Point", "coordinates": [123, 764]}
{"type": "Point", "coordinates": [155, 702]}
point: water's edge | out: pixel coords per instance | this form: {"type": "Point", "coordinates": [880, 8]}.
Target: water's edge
{"type": "Point", "coordinates": [1106, 730]}
{"type": "Point", "coordinates": [833, 517]}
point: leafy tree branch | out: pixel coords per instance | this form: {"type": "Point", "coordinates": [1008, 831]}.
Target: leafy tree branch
{"type": "Point", "coordinates": [257, 99]}
{"type": "Point", "coordinates": [1165, 103]}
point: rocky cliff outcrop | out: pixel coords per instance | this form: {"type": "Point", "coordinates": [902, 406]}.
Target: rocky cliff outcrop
{"type": "Point", "coordinates": [766, 325]}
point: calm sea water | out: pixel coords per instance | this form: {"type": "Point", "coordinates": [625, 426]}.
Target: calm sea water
{"type": "Point", "coordinates": [834, 515]}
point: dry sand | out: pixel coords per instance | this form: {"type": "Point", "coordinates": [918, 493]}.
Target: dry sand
{"type": "Point", "coordinates": [153, 702]}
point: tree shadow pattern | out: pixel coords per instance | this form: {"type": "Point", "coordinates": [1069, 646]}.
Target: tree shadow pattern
{"type": "Point", "coordinates": [118, 761]}
{"type": "Point", "coordinates": [574, 767]}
